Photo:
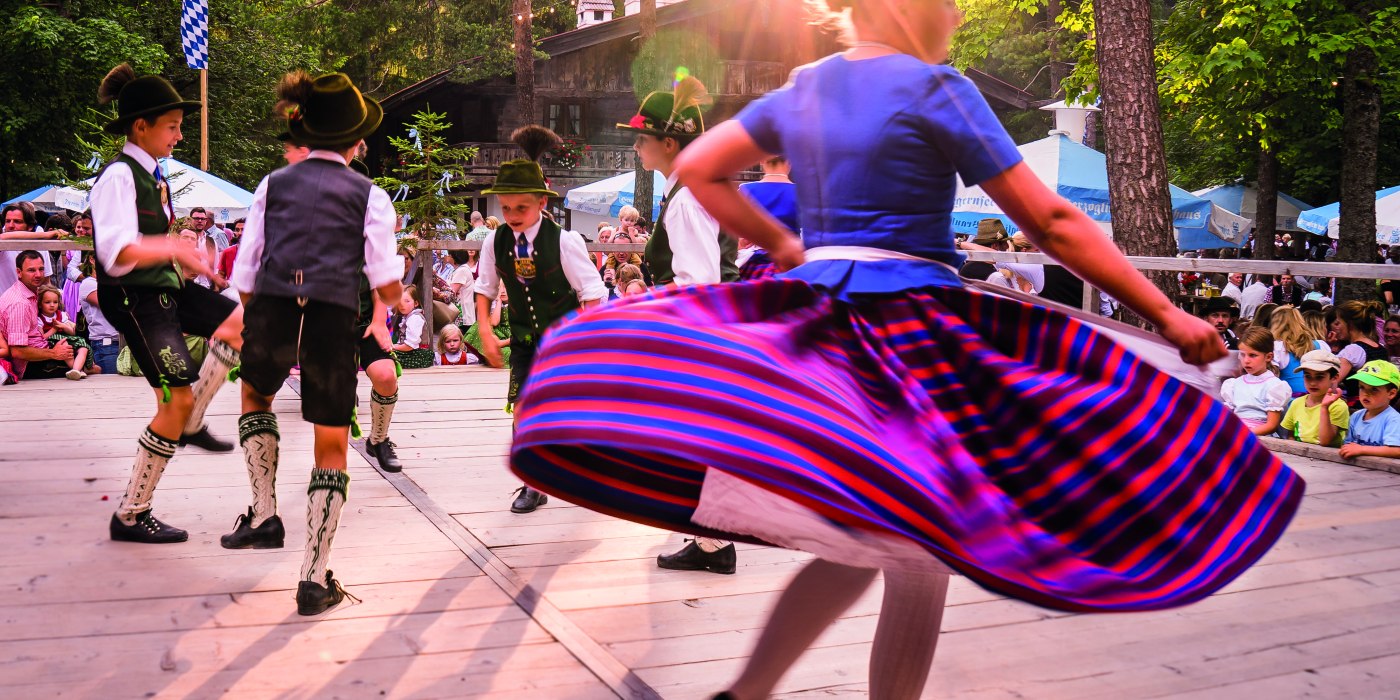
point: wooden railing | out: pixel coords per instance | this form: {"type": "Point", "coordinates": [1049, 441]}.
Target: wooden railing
{"type": "Point", "coordinates": [1260, 267]}
{"type": "Point", "coordinates": [600, 160]}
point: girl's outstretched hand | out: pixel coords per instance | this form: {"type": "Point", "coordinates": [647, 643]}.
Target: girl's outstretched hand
{"type": "Point", "coordinates": [1197, 340]}
{"type": "Point", "coordinates": [789, 255]}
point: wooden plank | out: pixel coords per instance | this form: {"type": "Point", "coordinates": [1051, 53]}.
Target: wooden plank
{"type": "Point", "coordinates": [596, 658]}
{"type": "Point", "coordinates": [1257, 267]}
{"type": "Point", "coordinates": [1329, 454]}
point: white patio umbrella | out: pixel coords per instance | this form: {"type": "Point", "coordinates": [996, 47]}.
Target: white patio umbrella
{"type": "Point", "coordinates": [190, 188]}
{"type": "Point", "coordinates": [1326, 220]}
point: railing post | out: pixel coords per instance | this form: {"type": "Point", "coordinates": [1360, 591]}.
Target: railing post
{"type": "Point", "coordinates": [425, 291]}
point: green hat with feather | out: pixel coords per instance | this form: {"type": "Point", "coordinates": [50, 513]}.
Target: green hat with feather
{"type": "Point", "coordinates": [524, 175]}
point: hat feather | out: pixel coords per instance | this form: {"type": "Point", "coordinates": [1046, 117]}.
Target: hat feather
{"type": "Point", "coordinates": [535, 140]}
{"type": "Point", "coordinates": [113, 82]}
{"type": "Point", "coordinates": [293, 91]}
{"type": "Point", "coordinates": [689, 93]}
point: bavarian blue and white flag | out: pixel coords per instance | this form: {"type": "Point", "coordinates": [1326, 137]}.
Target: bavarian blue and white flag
{"type": "Point", "coordinates": [194, 33]}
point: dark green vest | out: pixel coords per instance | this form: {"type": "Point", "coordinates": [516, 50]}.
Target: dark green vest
{"type": "Point", "coordinates": [151, 220]}
{"type": "Point", "coordinates": [548, 298]}
{"type": "Point", "coordinates": [659, 255]}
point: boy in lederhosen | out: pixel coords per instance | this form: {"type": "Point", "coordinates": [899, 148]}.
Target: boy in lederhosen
{"type": "Point", "coordinates": [547, 271]}
{"type": "Point", "coordinates": [380, 366]}
{"type": "Point", "coordinates": [686, 247]}
{"type": "Point", "coordinates": [142, 292]}
{"type": "Point", "coordinates": [293, 279]}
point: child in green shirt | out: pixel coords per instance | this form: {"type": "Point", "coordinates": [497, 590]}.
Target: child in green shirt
{"type": "Point", "coordinates": [1320, 418]}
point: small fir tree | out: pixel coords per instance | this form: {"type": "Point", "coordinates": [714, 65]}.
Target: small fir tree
{"type": "Point", "coordinates": [426, 173]}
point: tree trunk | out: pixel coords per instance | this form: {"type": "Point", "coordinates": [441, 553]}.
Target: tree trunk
{"type": "Point", "coordinates": [1266, 205]}
{"type": "Point", "coordinates": [1139, 198]}
{"type": "Point", "coordinates": [641, 189]}
{"type": "Point", "coordinates": [524, 62]}
{"type": "Point", "coordinates": [1361, 125]}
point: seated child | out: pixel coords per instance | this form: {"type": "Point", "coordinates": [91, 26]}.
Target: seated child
{"type": "Point", "coordinates": [1257, 397]}
{"type": "Point", "coordinates": [1320, 417]}
{"type": "Point", "coordinates": [1375, 430]}
{"type": "Point", "coordinates": [411, 345]}
{"type": "Point", "coordinates": [59, 326]}
{"type": "Point", "coordinates": [450, 349]}
{"type": "Point", "coordinates": [500, 328]}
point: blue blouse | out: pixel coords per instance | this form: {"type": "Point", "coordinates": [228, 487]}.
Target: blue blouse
{"type": "Point", "coordinates": [778, 198]}
{"type": "Point", "coordinates": [876, 147]}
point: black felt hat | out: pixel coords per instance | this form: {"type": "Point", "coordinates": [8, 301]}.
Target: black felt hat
{"type": "Point", "coordinates": [329, 111]}
{"type": "Point", "coordinates": [146, 96]}
{"type": "Point", "coordinates": [1226, 304]}
{"type": "Point", "coordinates": [675, 114]}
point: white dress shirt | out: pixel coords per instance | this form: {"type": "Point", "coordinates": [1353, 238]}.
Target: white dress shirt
{"type": "Point", "coordinates": [1252, 298]}
{"type": "Point", "coordinates": [1233, 292]}
{"type": "Point", "coordinates": [573, 257]}
{"type": "Point", "coordinates": [694, 238]}
{"type": "Point", "coordinates": [382, 262]}
{"type": "Point", "coordinates": [113, 203]}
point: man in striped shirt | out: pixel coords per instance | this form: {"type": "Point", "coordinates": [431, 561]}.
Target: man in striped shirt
{"type": "Point", "coordinates": [19, 323]}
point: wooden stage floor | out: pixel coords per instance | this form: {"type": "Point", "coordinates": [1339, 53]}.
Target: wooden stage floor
{"type": "Point", "coordinates": [463, 598]}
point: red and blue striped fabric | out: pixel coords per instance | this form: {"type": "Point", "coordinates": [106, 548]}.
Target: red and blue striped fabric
{"type": "Point", "coordinates": [1018, 445]}
{"type": "Point", "coordinates": [758, 266]}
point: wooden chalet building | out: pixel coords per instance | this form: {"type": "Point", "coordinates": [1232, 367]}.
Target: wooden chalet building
{"type": "Point", "coordinates": [741, 50]}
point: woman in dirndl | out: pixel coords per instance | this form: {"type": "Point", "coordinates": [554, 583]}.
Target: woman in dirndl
{"type": "Point", "coordinates": [867, 407]}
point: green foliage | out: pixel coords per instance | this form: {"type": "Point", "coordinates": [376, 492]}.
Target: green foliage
{"type": "Point", "coordinates": [386, 45]}
{"type": "Point", "coordinates": [61, 50]}
{"type": "Point", "coordinates": [427, 171]}
{"type": "Point", "coordinates": [54, 61]}
{"type": "Point", "coordinates": [1237, 75]}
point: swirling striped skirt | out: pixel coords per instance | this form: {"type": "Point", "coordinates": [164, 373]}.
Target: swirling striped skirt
{"type": "Point", "coordinates": [1020, 446]}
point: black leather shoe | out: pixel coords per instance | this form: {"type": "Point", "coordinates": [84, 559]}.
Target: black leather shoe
{"type": "Point", "coordinates": [203, 438]}
{"type": "Point", "coordinates": [147, 530]}
{"type": "Point", "coordinates": [268, 535]}
{"type": "Point", "coordinates": [692, 558]}
{"type": "Point", "coordinates": [314, 599]}
{"type": "Point", "coordinates": [528, 500]}
{"type": "Point", "coordinates": [385, 454]}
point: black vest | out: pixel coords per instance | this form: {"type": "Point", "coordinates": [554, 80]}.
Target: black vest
{"type": "Point", "coordinates": [314, 233]}
{"type": "Point", "coordinates": [549, 296]}
{"type": "Point", "coordinates": [152, 219]}
{"type": "Point", "coordinates": [1062, 286]}
{"type": "Point", "coordinates": [659, 255]}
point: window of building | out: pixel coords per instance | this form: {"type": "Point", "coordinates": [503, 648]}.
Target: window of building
{"type": "Point", "coordinates": [598, 15]}
{"type": "Point", "coordinates": [565, 118]}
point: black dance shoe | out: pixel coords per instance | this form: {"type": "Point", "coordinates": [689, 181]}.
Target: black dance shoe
{"type": "Point", "coordinates": [147, 530]}
{"type": "Point", "coordinates": [314, 599]}
{"type": "Point", "coordinates": [268, 535]}
{"type": "Point", "coordinates": [692, 558]}
{"type": "Point", "coordinates": [385, 454]}
{"type": "Point", "coordinates": [203, 438]}
{"type": "Point", "coordinates": [528, 500]}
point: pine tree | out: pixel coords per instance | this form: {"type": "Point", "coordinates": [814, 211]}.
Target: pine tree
{"type": "Point", "coordinates": [421, 184]}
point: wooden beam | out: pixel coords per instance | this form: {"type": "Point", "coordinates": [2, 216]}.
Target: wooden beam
{"type": "Point", "coordinates": [1329, 454]}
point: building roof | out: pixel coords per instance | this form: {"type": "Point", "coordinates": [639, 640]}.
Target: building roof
{"type": "Point", "coordinates": [591, 5]}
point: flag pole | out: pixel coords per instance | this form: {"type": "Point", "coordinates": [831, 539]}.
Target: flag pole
{"type": "Point", "coordinates": [204, 119]}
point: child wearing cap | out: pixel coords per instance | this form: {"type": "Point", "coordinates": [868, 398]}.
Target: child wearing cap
{"type": "Point", "coordinates": [1375, 431]}
{"type": "Point", "coordinates": [1320, 417]}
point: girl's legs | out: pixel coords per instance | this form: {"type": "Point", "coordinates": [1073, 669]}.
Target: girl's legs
{"type": "Point", "coordinates": [910, 618]}
{"type": "Point", "coordinates": [819, 593]}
